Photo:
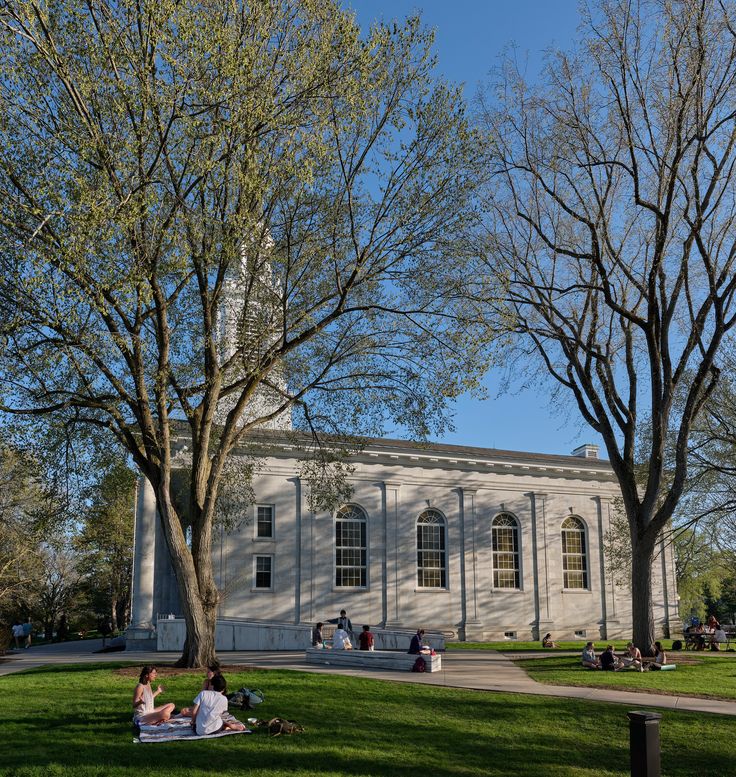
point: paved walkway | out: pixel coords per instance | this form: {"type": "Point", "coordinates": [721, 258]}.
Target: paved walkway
{"type": "Point", "coordinates": [483, 670]}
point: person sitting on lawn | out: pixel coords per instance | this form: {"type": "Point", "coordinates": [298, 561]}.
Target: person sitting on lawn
{"type": "Point", "coordinates": [213, 670]}
{"type": "Point", "coordinates": [609, 660]}
{"type": "Point", "coordinates": [547, 641]}
{"type": "Point", "coordinates": [660, 657]}
{"type": "Point", "coordinates": [632, 657]}
{"type": "Point", "coordinates": [341, 640]}
{"type": "Point", "coordinates": [210, 706]}
{"type": "Point", "coordinates": [589, 658]}
{"type": "Point", "coordinates": [143, 696]}
{"type": "Point", "coordinates": [719, 635]}
{"type": "Point", "coordinates": [365, 638]}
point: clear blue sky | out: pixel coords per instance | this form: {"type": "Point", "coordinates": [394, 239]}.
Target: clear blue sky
{"type": "Point", "coordinates": [470, 36]}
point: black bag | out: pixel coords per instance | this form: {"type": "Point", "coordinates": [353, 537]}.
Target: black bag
{"type": "Point", "coordinates": [420, 665]}
{"type": "Point", "coordinates": [677, 644]}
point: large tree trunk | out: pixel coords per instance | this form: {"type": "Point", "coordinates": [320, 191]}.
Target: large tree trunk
{"type": "Point", "coordinates": [197, 592]}
{"type": "Point", "coordinates": [642, 553]}
{"type": "Point", "coordinates": [199, 646]}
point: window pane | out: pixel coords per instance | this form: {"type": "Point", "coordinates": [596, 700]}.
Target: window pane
{"type": "Point", "coordinates": [505, 540]}
{"type": "Point", "coordinates": [431, 553]}
{"type": "Point", "coordinates": [263, 571]}
{"type": "Point", "coordinates": [264, 524]}
{"type": "Point", "coordinates": [351, 550]}
{"type": "Point", "coordinates": [574, 558]}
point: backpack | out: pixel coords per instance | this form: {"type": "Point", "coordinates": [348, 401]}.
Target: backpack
{"type": "Point", "coordinates": [420, 665]}
{"type": "Point", "coordinates": [245, 699]}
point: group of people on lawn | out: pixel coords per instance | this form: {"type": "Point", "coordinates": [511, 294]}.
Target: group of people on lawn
{"type": "Point", "coordinates": [698, 635]}
{"type": "Point", "coordinates": [206, 714]}
{"type": "Point", "coordinates": [631, 658]}
{"type": "Point", "coordinates": [343, 638]}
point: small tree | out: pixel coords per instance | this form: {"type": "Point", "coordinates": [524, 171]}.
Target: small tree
{"type": "Point", "coordinates": [217, 213]}
{"type": "Point", "coordinates": [611, 219]}
{"type": "Point", "coordinates": [105, 545]}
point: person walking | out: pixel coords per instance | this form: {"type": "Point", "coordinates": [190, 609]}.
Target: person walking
{"type": "Point", "coordinates": [17, 634]}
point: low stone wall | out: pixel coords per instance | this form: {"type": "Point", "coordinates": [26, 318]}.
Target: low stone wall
{"type": "Point", "coordinates": [232, 634]}
{"type": "Point", "coordinates": [372, 659]}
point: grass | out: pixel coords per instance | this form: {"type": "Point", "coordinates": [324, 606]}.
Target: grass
{"type": "Point", "coordinates": [696, 675]}
{"type": "Point", "coordinates": [76, 720]}
{"type": "Point", "coordinates": [514, 646]}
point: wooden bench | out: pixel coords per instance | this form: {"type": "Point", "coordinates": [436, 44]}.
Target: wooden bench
{"type": "Point", "coordinates": [372, 659]}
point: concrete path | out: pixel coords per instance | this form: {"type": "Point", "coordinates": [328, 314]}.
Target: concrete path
{"type": "Point", "coordinates": [482, 670]}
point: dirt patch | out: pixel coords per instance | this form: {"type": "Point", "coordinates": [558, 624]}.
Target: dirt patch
{"type": "Point", "coordinates": [165, 670]}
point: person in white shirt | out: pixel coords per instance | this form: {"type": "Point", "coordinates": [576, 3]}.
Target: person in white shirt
{"type": "Point", "coordinates": [341, 640]}
{"type": "Point", "coordinates": [209, 707]}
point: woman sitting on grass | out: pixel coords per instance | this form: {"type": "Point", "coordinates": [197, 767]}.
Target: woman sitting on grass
{"type": "Point", "coordinates": [660, 657]}
{"type": "Point", "coordinates": [213, 670]}
{"type": "Point", "coordinates": [210, 706]}
{"type": "Point", "coordinates": [143, 710]}
{"type": "Point", "coordinates": [589, 658]}
{"type": "Point", "coordinates": [547, 641]}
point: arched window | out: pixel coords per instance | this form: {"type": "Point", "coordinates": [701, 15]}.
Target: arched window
{"type": "Point", "coordinates": [505, 532]}
{"type": "Point", "coordinates": [351, 548]}
{"type": "Point", "coordinates": [574, 557]}
{"type": "Point", "coordinates": [431, 550]}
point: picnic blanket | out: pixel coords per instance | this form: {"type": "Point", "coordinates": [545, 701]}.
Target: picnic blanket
{"type": "Point", "coordinates": [180, 728]}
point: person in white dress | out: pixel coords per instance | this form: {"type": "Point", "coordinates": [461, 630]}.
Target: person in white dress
{"type": "Point", "coordinates": [144, 711]}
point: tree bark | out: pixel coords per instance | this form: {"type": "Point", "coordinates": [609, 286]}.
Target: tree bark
{"type": "Point", "coordinates": [197, 594]}
{"type": "Point", "coordinates": [642, 549]}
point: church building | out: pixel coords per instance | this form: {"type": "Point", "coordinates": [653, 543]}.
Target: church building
{"type": "Point", "coordinates": [480, 544]}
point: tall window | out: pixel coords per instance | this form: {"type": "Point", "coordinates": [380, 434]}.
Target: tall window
{"type": "Point", "coordinates": [574, 559]}
{"type": "Point", "coordinates": [431, 550]}
{"type": "Point", "coordinates": [263, 572]}
{"type": "Point", "coordinates": [351, 549]}
{"type": "Point", "coordinates": [264, 521]}
{"type": "Point", "coordinates": [505, 531]}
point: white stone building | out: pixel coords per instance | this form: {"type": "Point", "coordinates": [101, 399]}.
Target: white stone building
{"type": "Point", "coordinates": [484, 543]}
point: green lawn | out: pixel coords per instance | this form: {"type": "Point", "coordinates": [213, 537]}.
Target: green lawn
{"type": "Point", "coordinates": [76, 721]}
{"type": "Point", "coordinates": [711, 676]}
{"type": "Point", "coordinates": [513, 646]}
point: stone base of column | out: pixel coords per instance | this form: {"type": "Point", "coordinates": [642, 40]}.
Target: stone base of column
{"type": "Point", "coordinates": [393, 625]}
{"type": "Point", "coordinates": [473, 631]}
{"type": "Point", "coordinates": [138, 638]}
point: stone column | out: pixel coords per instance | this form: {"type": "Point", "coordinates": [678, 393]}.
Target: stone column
{"type": "Point", "coordinates": [673, 624]}
{"type": "Point", "coordinates": [392, 561]}
{"type": "Point", "coordinates": [142, 626]}
{"type": "Point", "coordinates": [299, 542]}
{"type": "Point", "coordinates": [540, 567]}
{"type": "Point", "coordinates": [609, 616]}
{"type": "Point", "coordinates": [469, 566]}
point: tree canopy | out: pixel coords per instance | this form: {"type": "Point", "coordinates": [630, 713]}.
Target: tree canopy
{"type": "Point", "coordinates": [611, 220]}
{"type": "Point", "coordinates": [217, 214]}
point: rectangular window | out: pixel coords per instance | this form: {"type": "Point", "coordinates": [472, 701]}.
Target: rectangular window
{"type": "Point", "coordinates": [431, 551]}
{"type": "Point", "coordinates": [264, 521]}
{"type": "Point", "coordinates": [506, 572]}
{"type": "Point", "coordinates": [263, 572]}
{"type": "Point", "coordinates": [351, 549]}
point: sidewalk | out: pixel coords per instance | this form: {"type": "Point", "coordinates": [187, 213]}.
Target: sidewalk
{"type": "Point", "coordinates": [482, 670]}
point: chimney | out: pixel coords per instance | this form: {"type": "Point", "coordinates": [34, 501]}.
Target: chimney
{"type": "Point", "coordinates": [586, 451]}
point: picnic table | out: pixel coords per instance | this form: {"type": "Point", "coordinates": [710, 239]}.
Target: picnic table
{"type": "Point", "coordinates": [693, 638]}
